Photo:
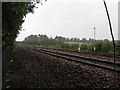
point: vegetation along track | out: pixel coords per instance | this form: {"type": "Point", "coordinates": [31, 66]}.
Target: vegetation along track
{"type": "Point", "coordinates": [85, 60]}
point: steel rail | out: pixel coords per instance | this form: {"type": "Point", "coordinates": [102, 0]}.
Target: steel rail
{"type": "Point", "coordinates": [76, 58]}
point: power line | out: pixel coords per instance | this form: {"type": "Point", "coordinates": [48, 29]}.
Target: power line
{"type": "Point", "coordinates": [113, 40]}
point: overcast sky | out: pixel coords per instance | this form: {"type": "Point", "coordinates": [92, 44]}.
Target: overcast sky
{"type": "Point", "coordinates": [72, 18]}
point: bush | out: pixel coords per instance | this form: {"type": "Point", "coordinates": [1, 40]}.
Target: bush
{"type": "Point", "coordinates": [98, 45]}
{"type": "Point", "coordinates": [90, 47]}
{"type": "Point", "coordinates": [73, 46]}
{"type": "Point", "coordinates": [118, 47]}
{"type": "Point", "coordinates": [107, 46]}
{"type": "Point", "coordinates": [101, 46]}
{"type": "Point", "coordinates": [84, 47]}
{"type": "Point", "coordinates": [65, 45]}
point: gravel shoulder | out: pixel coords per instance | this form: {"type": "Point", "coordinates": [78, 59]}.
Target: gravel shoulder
{"type": "Point", "coordinates": [37, 70]}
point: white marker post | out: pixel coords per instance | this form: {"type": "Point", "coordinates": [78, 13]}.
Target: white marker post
{"type": "Point", "coordinates": [78, 45]}
{"type": "Point", "coordinates": [78, 49]}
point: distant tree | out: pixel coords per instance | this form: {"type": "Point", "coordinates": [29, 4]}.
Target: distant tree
{"type": "Point", "coordinates": [60, 39]}
{"type": "Point", "coordinates": [39, 39]}
{"type": "Point", "coordinates": [51, 42]}
{"type": "Point", "coordinates": [67, 39]}
{"type": "Point", "coordinates": [107, 45]}
{"type": "Point", "coordinates": [75, 40]}
{"type": "Point", "coordinates": [90, 40]}
{"type": "Point", "coordinates": [84, 40]}
{"type": "Point", "coordinates": [32, 39]}
{"type": "Point", "coordinates": [43, 37]}
{"type": "Point", "coordinates": [72, 39]}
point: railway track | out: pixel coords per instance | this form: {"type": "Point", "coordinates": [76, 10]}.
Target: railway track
{"type": "Point", "coordinates": [80, 59]}
{"type": "Point", "coordinates": [84, 52]}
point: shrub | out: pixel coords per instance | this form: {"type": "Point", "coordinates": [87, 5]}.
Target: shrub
{"type": "Point", "coordinates": [107, 46]}
{"type": "Point", "coordinates": [73, 46]}
{"type": "Point", "coordinates": [84, 47]}
{"type": "Point", "coordinates": [65, 45]}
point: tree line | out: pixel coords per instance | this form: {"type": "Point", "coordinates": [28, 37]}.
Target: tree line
{"type": "Point", "coordinates": [44, 39]}
{"type": "Point", "coordinates": [72, 43]}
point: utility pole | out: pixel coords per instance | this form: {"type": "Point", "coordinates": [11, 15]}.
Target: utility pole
{"type": "Point", "coordinates": [113, 40]}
